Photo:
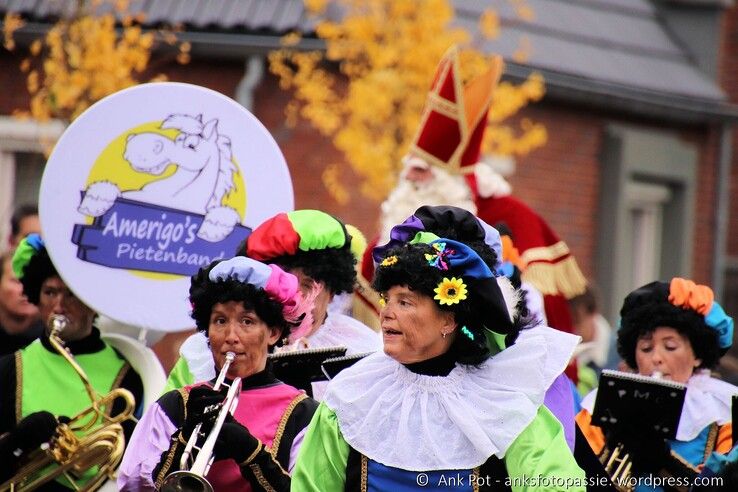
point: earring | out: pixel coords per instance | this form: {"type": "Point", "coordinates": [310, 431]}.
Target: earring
{"type": "Point", "coordinates": [444, 334]}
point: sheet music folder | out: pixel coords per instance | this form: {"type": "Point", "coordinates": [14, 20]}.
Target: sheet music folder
{"type": "Point", "coordinates": [300, 368]}
{"type": "Point", "coordinates": [624, 396]}
{"type": "Point", "coordinates": [331, 367]}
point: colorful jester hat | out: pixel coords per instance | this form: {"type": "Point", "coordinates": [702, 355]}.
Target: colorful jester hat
{"type": "Point", "coordinates": [279, 285]}
{"type": "Point", "coordinates": [443, 220]}
{"type": "Point", "coordinates": [462, 277]}
{"type": "Point", "coordinates": [679, 294]}
{"type": "Point", "coordinates": [286, 234]}
{"type": "Point", "coordinates": [32, 266]}
{"type": "Point", "coordinates": [29, 247]}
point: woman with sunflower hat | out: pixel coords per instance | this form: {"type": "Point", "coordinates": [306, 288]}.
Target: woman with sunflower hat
{"type": "Point", "coordinates": [442, 407]}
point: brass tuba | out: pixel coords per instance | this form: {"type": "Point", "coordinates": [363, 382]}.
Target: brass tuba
{"type": "Point", "coordinates": [191, 476]}
{"type": "Point", "coordinates": [91, 439]}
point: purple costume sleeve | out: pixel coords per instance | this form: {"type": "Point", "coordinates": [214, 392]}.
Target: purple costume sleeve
{"type": "Point", "coordinates": [149, 440]}
{"type": "Point", "coordinates": [296, 443]}
{"type": "Point", "coordinates": [560, 401]}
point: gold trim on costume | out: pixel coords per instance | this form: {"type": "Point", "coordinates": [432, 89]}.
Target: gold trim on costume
{"type": "Point", "coordinates": [180, 439]}
{"type": "Point", "coordinates": [475, 485]}
{"type": "Point", "coordinates": [712, 436]}
{"type": "Point", "coordinates": [563, 277]}
{"type": "Point", "coordinates": [18, 386]}
{"type": "Point", "coordinates": [546, 253]}
{"type": "Point", "coordinates": [168, 462]}
{"type": "Point", "coordinates": [443, 106]}
{"type": "Point", "coordinates": [185, 394]}
{"type": "Point", "coordinates": [117, 382]}
{"type": "Point", "coordinates": [283, 423]}
{"type": "Point", "coordinates": [470, 105]}
{"type": "Point", "coordinates": [256, 469]}
{"type": "Point", "coordinates": [366, 303]}
{"type": "Point", "coordinates": [253, 455]}
{"type": "Point", "coordinates": [683, 461]}
{"type": "Point", "coordinates": [364, 468]}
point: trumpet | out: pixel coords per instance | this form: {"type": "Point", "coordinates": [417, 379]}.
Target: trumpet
{"type": "Point", "coordinates": [191, 476]}
{"type": "Point", "coordinates": [89, 447]}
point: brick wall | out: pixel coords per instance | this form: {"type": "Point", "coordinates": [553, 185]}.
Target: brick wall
{"type": "Point", "coordinates": [13, 93]}
{"type": "Point", "coordinates": [561, 180]}
{"type": "Point", "coordinates": [707, 142]}
{"type": "Point", "coordinates": [728, 77]}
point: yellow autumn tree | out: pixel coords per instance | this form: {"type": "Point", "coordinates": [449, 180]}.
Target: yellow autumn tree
{"type": "Point", "coordinates": [98, 50]}
{"type": "Point", "coordinates": [366, 90]}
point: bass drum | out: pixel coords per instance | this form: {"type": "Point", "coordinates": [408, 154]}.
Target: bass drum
{"type": "Point", "coordinates": [144, 362]}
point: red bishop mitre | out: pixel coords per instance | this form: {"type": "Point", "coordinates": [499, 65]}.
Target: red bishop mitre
{"type": "Point", "coordinates": [455, 116]}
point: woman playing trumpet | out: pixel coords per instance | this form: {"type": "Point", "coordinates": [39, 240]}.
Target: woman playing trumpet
{"type": "Point", "coordinates": [676, 331]}
{"type": "Point", "coordinates": [247, 308]}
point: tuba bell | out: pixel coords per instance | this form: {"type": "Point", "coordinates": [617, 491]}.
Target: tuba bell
{"type": "Point", "coordinates": [91, 443]}
{"type": "Point", "coordinates": [191, 475]}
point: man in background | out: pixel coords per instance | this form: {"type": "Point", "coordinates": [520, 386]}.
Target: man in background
{"type": "Point", "coordinates": [19, 319]}
{"type": "Point", "coordinates": [23, 222]}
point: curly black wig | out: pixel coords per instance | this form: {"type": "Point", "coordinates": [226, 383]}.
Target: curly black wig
{"type": "Point", "coordinates": [461, 225]}
{"type": "Point", "coordinates": [336, 268]}
{"type": "Point", "coordinates": [413, 270]}
{"type": "Point", "coordinates": [647, 308]}
{"type": "Point", "coordinates": [204, 294]}
{"type": "Point", "coordinates": [38, 269]}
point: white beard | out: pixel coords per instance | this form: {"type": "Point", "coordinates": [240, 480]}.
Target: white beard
{"type": "Point", "coordinates": [444, 189]}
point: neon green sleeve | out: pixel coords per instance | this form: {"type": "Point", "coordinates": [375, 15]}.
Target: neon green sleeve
{"type": "Point", "coordinates": [180, 376]}
{"type": "Point", "coordinates": [539, 458]}
{"type": "Point", "coordinates": [321, 462]}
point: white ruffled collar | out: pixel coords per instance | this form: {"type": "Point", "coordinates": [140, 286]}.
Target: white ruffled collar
{"type": "Point", "coordinates": [196, 351]}
{"type": "Point", "coordinates": [340, 330]}
{"type": "Point", "coordinates": [708, 401]}
{"type": "Point", "coordinates": [417, 422]}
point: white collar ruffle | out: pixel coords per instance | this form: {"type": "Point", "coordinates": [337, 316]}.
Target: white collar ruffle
{"type": "Point", "coordinates": [418, 423]}
{"type": "Point", "coordinates": [340, 330]}
{"type": "Point", "coordinates": [196, 351]}
{"type": "Point", "coordinates": [708, 401]}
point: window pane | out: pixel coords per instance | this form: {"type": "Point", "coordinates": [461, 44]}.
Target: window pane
{"type": "Point", "coordinates": [29, 168]}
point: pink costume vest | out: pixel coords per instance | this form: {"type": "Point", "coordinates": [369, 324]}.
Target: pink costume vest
{"type": "Point", "coordinates": [260, 410]}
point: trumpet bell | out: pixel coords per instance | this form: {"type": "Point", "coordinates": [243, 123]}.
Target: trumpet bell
{"type": "Point", "coordinates": [184, 481]}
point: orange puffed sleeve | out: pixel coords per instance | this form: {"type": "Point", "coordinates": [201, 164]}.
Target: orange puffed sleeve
{"type": "Point", "coordinates": [595, 436]}
{"type": "Point", "coordinates": [725, 439]}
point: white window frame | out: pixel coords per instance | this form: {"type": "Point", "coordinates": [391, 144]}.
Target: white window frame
{"type": "Point", "coordinates": [16, 136]}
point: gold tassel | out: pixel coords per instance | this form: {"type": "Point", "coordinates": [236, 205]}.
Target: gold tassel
{"type": "Point", "coordinates": [563, 277]}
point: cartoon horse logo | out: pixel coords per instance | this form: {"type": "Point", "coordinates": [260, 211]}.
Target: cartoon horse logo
{"type": "Point", "coordinates": [204, 174]}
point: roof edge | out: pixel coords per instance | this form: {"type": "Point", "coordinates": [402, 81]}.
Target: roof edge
{"type": "Point", "coordinates": [641, 102]}
{"type": "Point", "coordinates": [559, 86]}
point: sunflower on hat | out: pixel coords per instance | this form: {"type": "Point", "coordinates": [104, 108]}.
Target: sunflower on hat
{"type": "Point", "coordinates": [450, 291]}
